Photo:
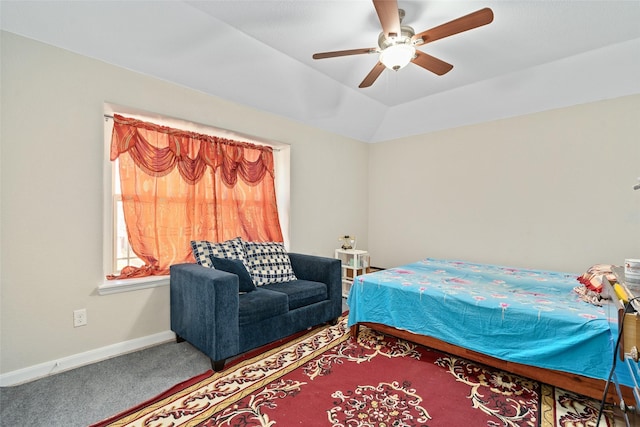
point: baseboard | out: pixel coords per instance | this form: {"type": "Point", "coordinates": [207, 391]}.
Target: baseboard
{"type": "Point", "coordinates": [75, 361]}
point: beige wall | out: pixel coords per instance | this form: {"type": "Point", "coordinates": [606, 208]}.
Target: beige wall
{"type": "Point", "coordinates": [51, 195]}
{"type": "Point", "coordinates": [551, 190]}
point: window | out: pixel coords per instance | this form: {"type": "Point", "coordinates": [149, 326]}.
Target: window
{"type": "Point", "coordinates": [117, 251]}
{"type": "Point", "coordinates": [123, 255]}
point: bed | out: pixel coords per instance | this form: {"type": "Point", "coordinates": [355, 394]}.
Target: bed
{"type": "Point", "coordinates": [528, 322]}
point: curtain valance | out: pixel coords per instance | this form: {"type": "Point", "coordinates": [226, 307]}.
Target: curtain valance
{"type": "Point", "coordinates": [157, 150]}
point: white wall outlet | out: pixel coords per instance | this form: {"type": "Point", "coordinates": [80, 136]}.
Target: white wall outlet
{"type": "Point", "coordinates": [79, 317]}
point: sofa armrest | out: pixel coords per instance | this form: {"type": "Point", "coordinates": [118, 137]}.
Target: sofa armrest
{"type": "Point", "coordinates": [319, 269]}
{"type": "Point", "coordinates": [204, 309]}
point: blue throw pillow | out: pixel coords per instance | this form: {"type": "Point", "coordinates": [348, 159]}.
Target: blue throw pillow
{"type": "Point", "coordinates": [236, 267]}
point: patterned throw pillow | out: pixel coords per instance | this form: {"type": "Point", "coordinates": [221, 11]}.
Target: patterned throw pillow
{"type": "Point", "coordinates": [268, 262]}
{"type": "Point", "coordinates": [203, 251]}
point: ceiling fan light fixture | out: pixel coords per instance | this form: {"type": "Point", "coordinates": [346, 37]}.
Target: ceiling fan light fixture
{"type": "Point", "coordinates": [397, 56]}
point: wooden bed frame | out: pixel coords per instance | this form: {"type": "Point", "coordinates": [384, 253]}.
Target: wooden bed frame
{"type": "Point", "coordinates": [575, 383]}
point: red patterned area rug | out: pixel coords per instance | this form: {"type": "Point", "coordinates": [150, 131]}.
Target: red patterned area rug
{"type": "Point", "coordinates": [324, 378]}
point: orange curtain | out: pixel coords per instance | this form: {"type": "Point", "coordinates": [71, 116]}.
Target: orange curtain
{"type": "Point", "coordinates": [179, 186]}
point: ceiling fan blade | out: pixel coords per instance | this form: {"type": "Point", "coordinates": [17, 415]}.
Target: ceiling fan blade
{"type": "Point", "coordinates": [468, 22]}
{"type": "Point", "coordinates": [373, 75]}
{"type": "Point", "coordinates": [431, 63]}
{"type": "Point", "coordinates": [323, 55]}
{"type": "Point", "coordinates": [389, 16]}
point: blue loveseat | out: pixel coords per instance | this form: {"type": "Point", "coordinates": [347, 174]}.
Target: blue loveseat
{"type": "Point", "coordinates": [209, 311]}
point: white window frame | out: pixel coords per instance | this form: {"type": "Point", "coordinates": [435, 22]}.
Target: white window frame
{"type": "Point", "coordinates": [281, 156]}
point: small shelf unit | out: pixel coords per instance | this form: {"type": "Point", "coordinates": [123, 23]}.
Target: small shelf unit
{"type": "Point", "coordinates": [354, 263]}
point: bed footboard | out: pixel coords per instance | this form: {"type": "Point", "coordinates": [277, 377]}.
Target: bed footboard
{"type": "Point", "coordinates": [585, 386]}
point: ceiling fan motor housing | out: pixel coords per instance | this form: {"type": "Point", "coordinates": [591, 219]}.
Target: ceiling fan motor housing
{"type": "Point", "coordinates": [406, 33]}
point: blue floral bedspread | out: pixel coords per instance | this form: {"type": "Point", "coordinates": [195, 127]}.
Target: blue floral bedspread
{"type": "Point", "coordinates": [531, 317]}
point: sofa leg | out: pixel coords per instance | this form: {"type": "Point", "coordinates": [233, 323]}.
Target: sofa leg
{"type": "Point", "coordinates": [333, 322]}
{"type": "Point", "coordinates": [217, 365]}
{"type": "Point", "coordinates": [179, 339]}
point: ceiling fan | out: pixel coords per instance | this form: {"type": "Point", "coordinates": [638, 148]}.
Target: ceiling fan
{"type": "Point", "coordinates": [397, 43]}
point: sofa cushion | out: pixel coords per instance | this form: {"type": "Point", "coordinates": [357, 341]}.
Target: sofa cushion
{"type": "Point", "coordinates": [268, 262]}
{"type": "Point", "coordinates": [229, 249]}
{"type": "Point", "coordinates": [236, 267]}
{"type": "Point", "coordinates": [300, 292]}
{"type": "Point", "coordinates": [261, 305]}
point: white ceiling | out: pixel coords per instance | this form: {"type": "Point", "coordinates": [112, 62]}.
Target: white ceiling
{"type": "Point", "coordinates": [534, 56]}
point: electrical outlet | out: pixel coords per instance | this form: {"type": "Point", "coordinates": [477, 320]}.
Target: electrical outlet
{"type": "Point", "coordinates": [79, 317]}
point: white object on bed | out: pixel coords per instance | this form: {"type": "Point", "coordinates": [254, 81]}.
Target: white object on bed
{"type": "Point", "coordinates": [632, 270]}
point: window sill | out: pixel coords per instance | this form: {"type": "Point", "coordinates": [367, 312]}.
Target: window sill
{"type": "Point", "coordinates": [109, 287]}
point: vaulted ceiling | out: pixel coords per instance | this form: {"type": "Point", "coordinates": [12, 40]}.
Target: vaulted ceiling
{"type": "Point", "coordinates": [534, 56]}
